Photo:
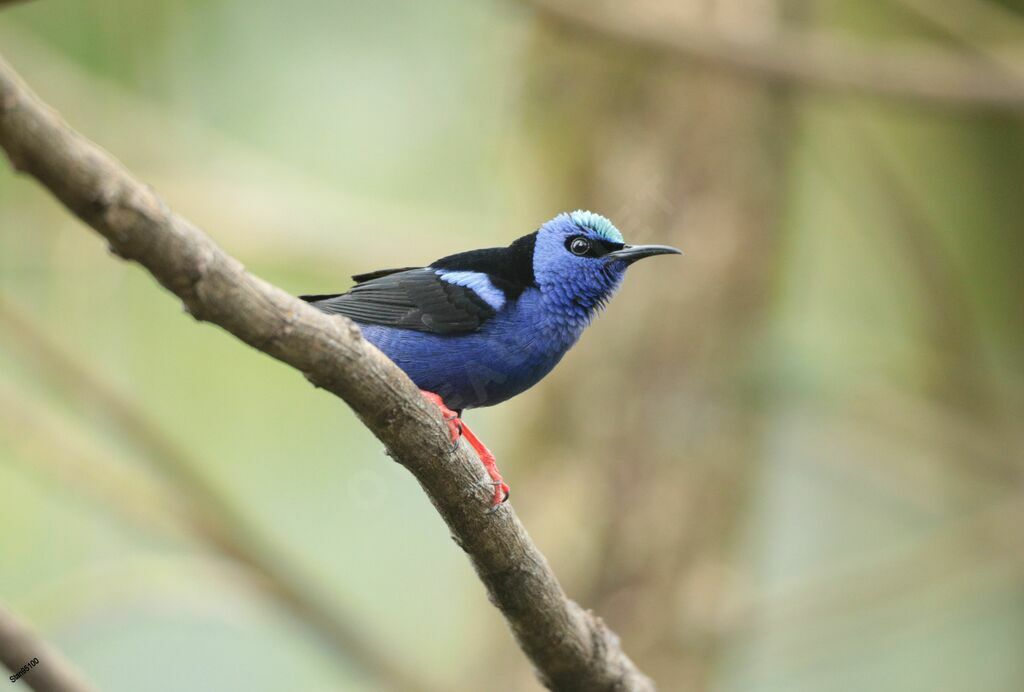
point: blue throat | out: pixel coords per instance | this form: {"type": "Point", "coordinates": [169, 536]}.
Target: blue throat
{"type": "Point", "coordinates": [479, 327]}
{"type": "Point", "coordinates": [532, 329]}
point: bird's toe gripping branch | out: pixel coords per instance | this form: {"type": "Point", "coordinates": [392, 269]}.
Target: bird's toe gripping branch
{"type": "Point", "coordinates": [501, 489]}
{"type": "Point", "coordinates": [452, 418]}
{"type": "Point", "coordinates": [458, 430]}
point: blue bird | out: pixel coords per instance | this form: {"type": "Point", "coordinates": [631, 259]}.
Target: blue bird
{"type": "Point", "coordinates": [477, 328]}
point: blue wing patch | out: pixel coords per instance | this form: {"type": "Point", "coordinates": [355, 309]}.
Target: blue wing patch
{"type": "Point", "coordinates": [477, 282]}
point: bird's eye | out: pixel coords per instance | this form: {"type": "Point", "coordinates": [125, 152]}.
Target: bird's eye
{"type": "Point", "coordinates": [579, 246]}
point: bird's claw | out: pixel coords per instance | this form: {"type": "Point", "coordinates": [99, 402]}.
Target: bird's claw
{"type": "Point", "coordinates": [501, 494]}
{"type": "Point", "coordinates": [459, 430]}
{"type": "Point", "coordinates": [451, 418]}
{"type": "Point", "coordinates": [456, 431]}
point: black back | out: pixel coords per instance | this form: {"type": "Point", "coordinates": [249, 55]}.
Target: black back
{"type": "Point", "coordinates": [510, 268]}
{"type": "Point", "coordinates": [417, 298]}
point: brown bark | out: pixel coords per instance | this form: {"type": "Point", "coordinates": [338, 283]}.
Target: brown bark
{"type": "Point", "coordinates": [693, 158]}
{"type": "Point", "coordinates": [570, 648]}
{"type": "Point", "coordinates": [20, 644]}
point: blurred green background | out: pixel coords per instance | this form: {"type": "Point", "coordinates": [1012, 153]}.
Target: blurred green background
{"type": "Point", "coordinates": [790, 461]}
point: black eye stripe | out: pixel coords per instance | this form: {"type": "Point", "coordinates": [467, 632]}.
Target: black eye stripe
{"type": "Point", "coordinates": [598, 247]}
{"type": "Point", "coordinates": [608, 246]}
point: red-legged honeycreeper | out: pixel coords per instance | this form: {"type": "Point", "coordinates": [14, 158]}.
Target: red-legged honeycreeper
{"type": "Point", "coordinates": [479, 327]}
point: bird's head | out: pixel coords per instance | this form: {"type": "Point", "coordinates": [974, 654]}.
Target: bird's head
{"type": "Point", "coordinates": [582, 257]}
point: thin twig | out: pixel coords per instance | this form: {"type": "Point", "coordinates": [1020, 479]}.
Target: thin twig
{"type": "Point", "coordinates": [570, 648]}
{"type": "Point", "coordinates": [804, 58]}
{"type": "Point", "coordinates": [204, 509]}
{"type": "Point", "coordinates": [49, 671]}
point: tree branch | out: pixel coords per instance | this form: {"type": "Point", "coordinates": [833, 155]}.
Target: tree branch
{"type": "Point", "coordinates": [804, 58]}
{"type": "Point", "coordinates": [204, 510]}
{"type": "Point", "coordinates": [19, 644]}
{"type": "Point", "coordinates": [570, 648]}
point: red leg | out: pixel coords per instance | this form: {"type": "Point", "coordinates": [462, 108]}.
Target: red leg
{"type": "Point", "coordinates": [459, 429]}
{"type": "Point", "coordinates": [501, 490]}
{"type": "Point", "coordinates": [455, 426]}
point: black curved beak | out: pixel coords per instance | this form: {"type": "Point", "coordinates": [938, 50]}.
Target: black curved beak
{"type": "Point", "coordinates": [632, 253]}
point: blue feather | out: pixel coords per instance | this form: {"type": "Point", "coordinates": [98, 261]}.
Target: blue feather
{"type": "Point", "coordinates": [541, 295]}
{"type": "Point", "coordinates": [599, 224]}
{"type": "Point", "coordinates": [479, 283]}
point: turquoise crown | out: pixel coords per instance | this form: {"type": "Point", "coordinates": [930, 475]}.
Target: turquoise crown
{"type": "Point", "coordinates": [598, 224]}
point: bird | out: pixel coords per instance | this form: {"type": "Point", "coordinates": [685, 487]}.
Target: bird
{"type": "Point", "coordinates": [477, 328]}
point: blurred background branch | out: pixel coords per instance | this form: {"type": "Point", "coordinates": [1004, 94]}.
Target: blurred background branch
{"type": "Point", "coordinates": [794, 465]}
{"type": "Point", "coordinates": [199, 505]}
{"type": "Point", "coordinates": [984, 27]}
{"type": "Point", "coordinates": [20, 644]}
{"type": "Point", "coordinates": [803, 58]}
{"type": "Point", "coordinates": [41, 436]}
{"type": "Point", "coordinates": [569, 647]}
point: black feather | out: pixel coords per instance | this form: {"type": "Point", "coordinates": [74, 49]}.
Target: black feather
{"type": "Point", "coordinates": [370, 276]}
{"type": "Point", "coordinates": [509, 268]}
{"type": "Point", "coordinates": [417, 298]}
{"type": "Point", "coordinates": [409, 299]}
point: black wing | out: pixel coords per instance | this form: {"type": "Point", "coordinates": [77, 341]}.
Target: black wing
{"type": "Point", "coordinates": [416, 299]}
{"type": "Point", "coordinates": [370, 276]}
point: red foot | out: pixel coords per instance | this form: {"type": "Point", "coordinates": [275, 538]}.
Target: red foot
{"type": "Point", "coordinates": [455, 426]}
{"type": "Point", "coordinates": [501, 490]}
{"type": "Point", "coordinates": [460, 429]}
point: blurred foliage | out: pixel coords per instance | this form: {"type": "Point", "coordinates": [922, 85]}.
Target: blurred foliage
{"type": "Point", "coordinates": [804, 472]}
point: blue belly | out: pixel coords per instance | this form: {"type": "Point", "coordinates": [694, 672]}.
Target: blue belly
{"type": "Point", "coordinates": [513, 351]}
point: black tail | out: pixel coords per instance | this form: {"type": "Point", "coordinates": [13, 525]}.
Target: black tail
{"type": "Point", "coordinates": [316, 299]}
{"type": "Point", "coordinates": [363, 278]}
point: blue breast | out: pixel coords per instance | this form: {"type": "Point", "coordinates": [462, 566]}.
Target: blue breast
{"type": "Point", "coordinates": [509, 354]}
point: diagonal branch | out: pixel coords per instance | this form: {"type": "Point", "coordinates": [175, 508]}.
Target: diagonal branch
{"type": "Point", "coordinates": [570, 648]}
{"type": "Point", "coordinates": [20, 645]}
{"type": "Point", "coordinates": [206, 512]}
